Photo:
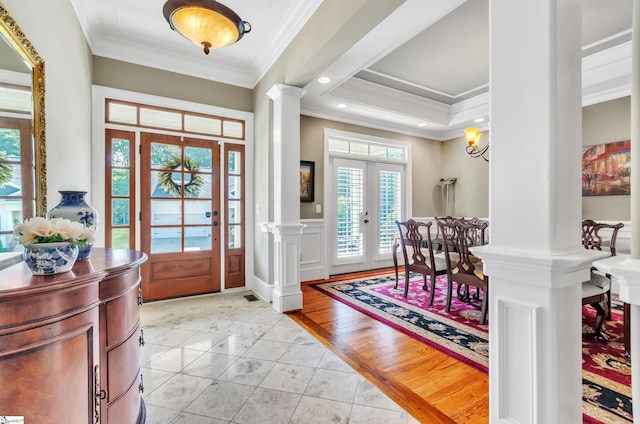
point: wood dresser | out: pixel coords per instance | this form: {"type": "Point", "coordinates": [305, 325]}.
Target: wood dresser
{"type": "Point", "coordinates": [70, 343]}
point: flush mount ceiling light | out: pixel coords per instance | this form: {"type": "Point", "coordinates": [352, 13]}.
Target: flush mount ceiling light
{"type": "Point", "coordinates": [473, 139]}
{"type": "Point", "coordinates": [206, 23]}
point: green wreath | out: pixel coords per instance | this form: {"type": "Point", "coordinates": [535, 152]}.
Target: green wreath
{"type": "Point", "coordinates": [5, 171]}
{"type": "Point", "coordinates": [192, 188]}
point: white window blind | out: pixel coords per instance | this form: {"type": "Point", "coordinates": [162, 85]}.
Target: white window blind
{"type": "Point", "coordinates": [350, 205]}
{"type": "Point", "coordinates": [390, 207]}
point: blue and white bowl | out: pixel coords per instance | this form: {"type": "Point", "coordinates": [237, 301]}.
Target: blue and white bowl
{"type": "Point", "coordinates": [50, 258]}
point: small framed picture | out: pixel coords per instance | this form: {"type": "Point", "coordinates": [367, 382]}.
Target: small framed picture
{"type": "Point", "coordinates": [306, 180]}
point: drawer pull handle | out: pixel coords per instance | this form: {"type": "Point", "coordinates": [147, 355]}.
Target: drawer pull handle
{"type": "Point", "coordinates": [141, 338]}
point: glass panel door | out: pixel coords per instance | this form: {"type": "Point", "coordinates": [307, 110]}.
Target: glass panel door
{"type": "Point", "coordinates": [367, 200]}
{"type": "Point", "coordinates": [180, 217]}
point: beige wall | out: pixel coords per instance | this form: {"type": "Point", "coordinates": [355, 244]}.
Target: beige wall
{"type": "Point", "coordinates": [604, 123]}
{"type": "Point", "coordinates": [53, 29]}
{"type": "Point", "coordinates": [471, 191]}
{"type": "Point", "coordinates": [141, 79]}
{"type": "Point", "coordinates": [425, 159]}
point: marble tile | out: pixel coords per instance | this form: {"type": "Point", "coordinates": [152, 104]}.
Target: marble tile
{"type": "Point", "coordinates": [209, 365]}
{"type": "Point", "coordinates": [221, 400]}
{"type": "Point", "coordinates": [307, 339]}
{"type": "Point", "coordinates": [331, 361]}
{"type": "Point", "coordinates": [252, 330]}
{"type": "Point", "coordinates": [168, 320]}
{"type": "Point", "coordinates": [178, 392]}
{"type": "Point", "coordinates": [186, 418]}
{"type": "Point", "coordinates": [151, 331]}
{"type": "Point", "coordinates": [368, 415]}
{"type": "Point", "coordinates": [223, 326]}
{"type": "Point", "coordinates": [309, 356]}
{"type": "Point", "coordinates": [174, 359]}
{"type": "Point", "coordinates": [247, 371]}
{"type": "Point", "coordinates": [196, 323]}
{"type": "Point", "coordinates": [172, 337]}
{"type": "Point", "coordinates": [202, 341]}
{"type": "Point", "coordinates": [289, 378]}
{"type": "Point", "coordinates": [267, 316]}
{"type": "Point", "coordinates": [313, 410]}
{"type": "Point", "coordinates": [369, 395]}
{"type": "Point", "coordinates": [159, 415]}
{"type": "Point", "coordinates": [233, 345]}
{"type": "Point", "coordinates": [243, 315]}
{"type": "Point", "coordinates": [282, 334]}
{"type": "Point", "coordinates": [153, 379]}
{"type": "Point", "coordinates": [151, 352]}
{"type": "Point", "coordinates": [268, 406]}
{"type": "Point", "coordinates": [265, 349]}
{"type": "Point", "coordinates": [335, 385]}
{"type": "Point", "coordinates": [215, 359]}
{"type": "Point", "coordinates": [287, 322]}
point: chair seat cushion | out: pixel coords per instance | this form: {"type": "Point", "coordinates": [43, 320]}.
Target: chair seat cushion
{"type": "Point", "coordinates": [476, 261]}
{"type": "Point", "coordinates": [590, 289]}
{"type": "Point", "coordinates": [600, 280]}
{"type": "Point", "coordinates": [440, 261]}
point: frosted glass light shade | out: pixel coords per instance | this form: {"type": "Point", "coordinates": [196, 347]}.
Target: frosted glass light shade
{"type": "Point", "coordinates": [206, 23]}
{"type": "Point", "coordinates": [473, 136]}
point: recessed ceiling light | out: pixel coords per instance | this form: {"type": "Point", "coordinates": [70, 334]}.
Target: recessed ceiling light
{"type": "Point", "coordinates": [324, 80]}
{"type": "Point", "coordinates": [479, 120]}
{"type": "Point", "coordinates": [341, 105]}
{"type": "Point", "coordinates": [422, 124]}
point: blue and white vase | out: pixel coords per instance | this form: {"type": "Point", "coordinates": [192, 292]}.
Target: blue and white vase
{"type": "Point", "coordinates": [73, 207]}
{"type": "Point", "coordinates": [50, 258]}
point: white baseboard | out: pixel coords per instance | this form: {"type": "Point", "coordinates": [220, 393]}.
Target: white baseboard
{"type": "Point", "coordinates": [262, 289]}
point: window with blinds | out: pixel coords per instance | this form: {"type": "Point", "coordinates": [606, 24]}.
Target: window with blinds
{"type": "Point", "coordinates": [350, 206]}
{"type": "Point", "coordinates": [390, 208]}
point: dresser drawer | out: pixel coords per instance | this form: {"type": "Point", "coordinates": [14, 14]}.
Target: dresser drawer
{"type": "Point", "coordinates": [123, 314]}
{"type": "Point", "coordinates": [127, 408]}
{"type": "Point", "coordinates": [124, 365]}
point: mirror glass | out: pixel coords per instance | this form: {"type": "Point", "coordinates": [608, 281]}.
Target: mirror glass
{"type": "Point", "coordinates": [22, 141]}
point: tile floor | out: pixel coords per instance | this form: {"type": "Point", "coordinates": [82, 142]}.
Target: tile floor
{"type": "Point", "coordinates": [220, 358]}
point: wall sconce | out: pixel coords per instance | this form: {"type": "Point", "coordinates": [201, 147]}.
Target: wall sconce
{"type": "Point", "coordinates": [206, 23]}
{"type": "Point", "coordinates": [473, 139]}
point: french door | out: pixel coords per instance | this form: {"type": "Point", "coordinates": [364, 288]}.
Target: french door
{"type": "Point", "coordinates": [180, 215]}
{"type": "Point", "coordinates": [366, 198]}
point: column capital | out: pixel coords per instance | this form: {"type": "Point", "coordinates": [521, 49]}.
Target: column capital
{"type": "Point", "coordinates": [279, 90]}
{"type": "Point", "coordinates": [538, 268]}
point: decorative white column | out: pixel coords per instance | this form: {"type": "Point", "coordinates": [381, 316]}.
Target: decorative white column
{"type": "Point", "coordinates": [535, 261]}
{"type": "Point", "coordinates": [286, 227]}
{"type": "Point", "coordinates": [627, 269]}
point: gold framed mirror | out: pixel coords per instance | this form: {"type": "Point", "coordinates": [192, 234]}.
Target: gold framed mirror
{"type": "Point", "coordinates": [22, 121]}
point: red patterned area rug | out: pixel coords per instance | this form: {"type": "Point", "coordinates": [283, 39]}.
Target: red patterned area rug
{"type": "Point", "coordinates": [606, 372]}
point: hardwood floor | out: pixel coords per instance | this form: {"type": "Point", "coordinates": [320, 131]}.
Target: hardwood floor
{"type": "Point", "coordinates": [427, 383]}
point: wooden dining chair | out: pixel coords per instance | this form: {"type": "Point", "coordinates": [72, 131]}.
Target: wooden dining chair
{"type": "Point", "coordinates": [417, 251]}
{"type": "Point", "coordinates": [438, 241]}
{"type": "Point", "coordinates": [597, 290]}
{"type": "Point", "coordinates": [463, 267]}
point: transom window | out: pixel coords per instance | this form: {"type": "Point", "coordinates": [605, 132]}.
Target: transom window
{"type": "Point", "coordinates": [345, 146]}
{"type": "Point", "coordinates": [175, 120]}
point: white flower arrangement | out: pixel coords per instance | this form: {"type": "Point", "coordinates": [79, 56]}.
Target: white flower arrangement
{"type": "Point", "coordinates": [56, 230]}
